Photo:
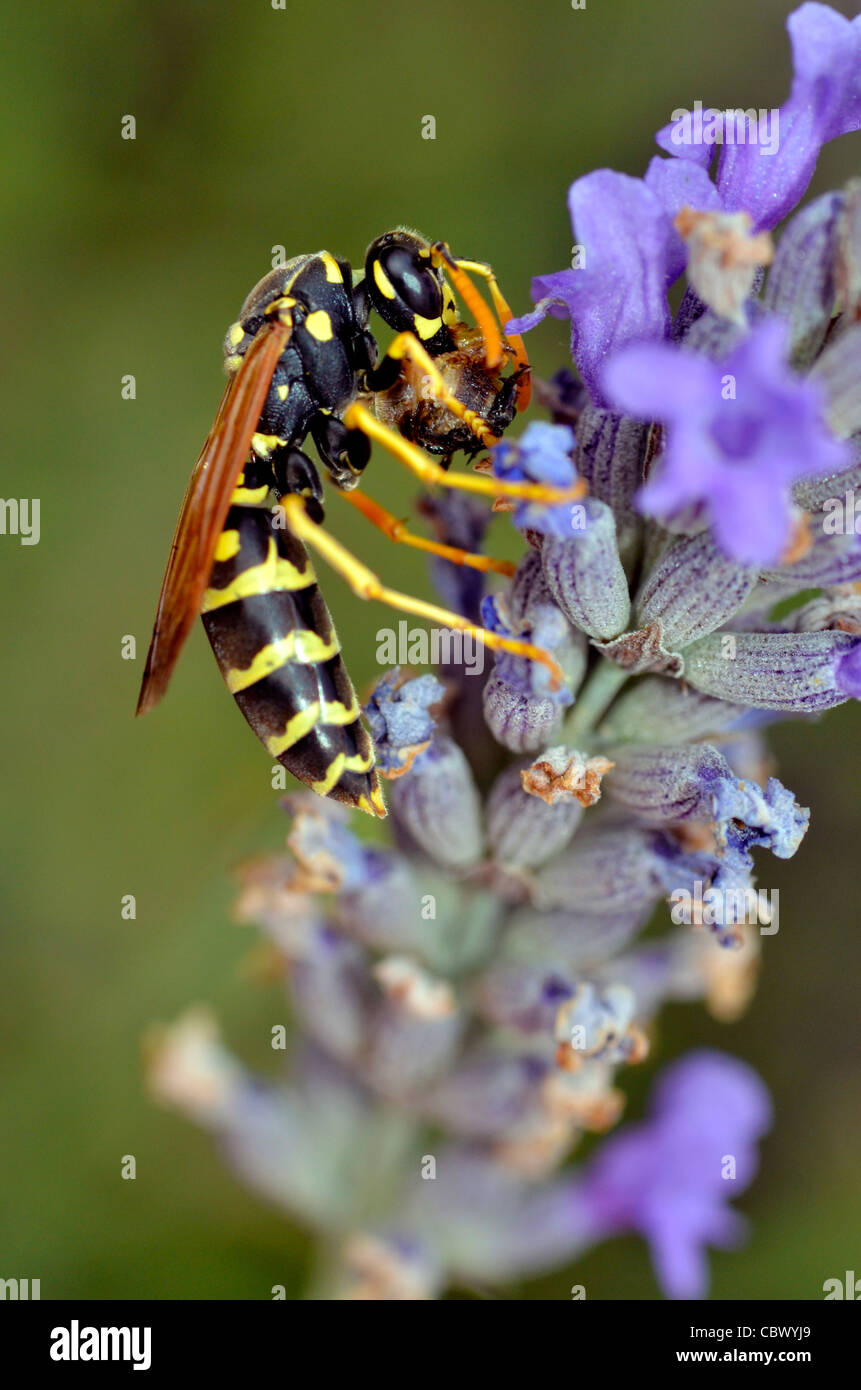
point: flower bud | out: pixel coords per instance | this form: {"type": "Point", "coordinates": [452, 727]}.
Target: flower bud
{"type": "Point", "coordinates": [610, 454]}
{"type": "Point", "coordinates": [800, 285]}
{"type": "Point", "coordinates": [415, 1030]}
{"type": "Point", "coordinates": [333, 993]}
{"type": "Point", "coordinates": [521, 996]}
{"type": "Point", "coordinates": [438, 804]}
{"type": "Point", "coordinates": [488, 1094]}
{"type": "Point", "coordinates": [610, 869]}
{"type": "Point", "coordinates": [523, 830]}
{"type": "Point", "coordinates": [666, 782]}
{"type": "Point", "coordinates": [520, 722]}
{"type": "Point", "coordinates": [813, 493]}
{"type": "Point", "coordinates": [585, 574]}
{"type": "Point", "coordinates": [657, 709]}
{"type": "Point", "coordinates": [833, 556]}
{"type": "Point", "coordinates": [693, 589]}
{"type": "Point", "coordinates": [801, 672]}
{"type": "Point", "coordinates": [838, 371]}
{"type": "Point", "coordinates": [566, 941]}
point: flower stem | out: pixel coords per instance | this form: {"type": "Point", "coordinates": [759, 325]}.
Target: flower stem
{"type": "Point", "coordinates": [597, 694]}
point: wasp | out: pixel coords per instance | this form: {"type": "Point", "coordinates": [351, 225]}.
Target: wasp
{"type": "Point", "coordinates": [302, 362]}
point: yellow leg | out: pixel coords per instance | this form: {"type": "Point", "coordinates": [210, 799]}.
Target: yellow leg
{"type": "Point", "coordinates": [493, 345]}
{"type": "Point", "coordinates": [457, 268]}
{"type": "Point", "coordinates": [399, 532]}
{"type": "Point", "coordinates": [407, 345]}
{"type": "Point", "coordinates": [367, 585]}
{"type": "Point", "coordinates": [358, 417]}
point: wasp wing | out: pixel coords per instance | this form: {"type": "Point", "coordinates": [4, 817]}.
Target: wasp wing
{"type": "Point", "coordinates": [205, 507]}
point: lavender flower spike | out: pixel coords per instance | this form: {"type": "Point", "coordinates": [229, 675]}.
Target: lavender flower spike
{"type": "Point", "coordinates": [466, 998]}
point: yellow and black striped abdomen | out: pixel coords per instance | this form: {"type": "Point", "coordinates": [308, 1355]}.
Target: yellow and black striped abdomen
{"type": "Point", "coordinates": [279, 654]}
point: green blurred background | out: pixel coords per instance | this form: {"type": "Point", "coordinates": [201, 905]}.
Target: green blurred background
{"type": "Point", "coordinates": [258, 127]}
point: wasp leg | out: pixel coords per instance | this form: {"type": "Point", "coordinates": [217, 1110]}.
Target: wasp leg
{"type": "Point", "coordinates": [457, 270]}
{"type": "Point", "coordinates": [367, 585]}
{"type": "Point", "coordinates": [398, 531]}
{"type": "Point", "coordinates": [358, 417]}
{"type": "Point", "coordinates": [494, 347]}
{"type": "Point", "coordinates": [344, 452]}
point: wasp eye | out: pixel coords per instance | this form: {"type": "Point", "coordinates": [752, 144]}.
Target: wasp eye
{"type": "Point", "coordinates": [403, 286]}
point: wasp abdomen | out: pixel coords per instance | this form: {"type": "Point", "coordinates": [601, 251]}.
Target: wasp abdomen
{"type": "Point", "coordinates": [278, 652]}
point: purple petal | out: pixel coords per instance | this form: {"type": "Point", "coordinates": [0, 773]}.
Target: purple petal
{"type": "Point", "coordinates": [671, 138]}
{"type": "Point", "coordinates": [655, 381]}
{"type": "Point", "coordinates": [679, 183]}
{"type": "Point", "coordinates": [739, 433]}
{"type": "Point", "coordinates": [825, 101]}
